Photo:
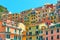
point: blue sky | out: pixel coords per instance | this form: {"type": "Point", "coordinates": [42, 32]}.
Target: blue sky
{"type": "Point", "coordinates": [21, 5]}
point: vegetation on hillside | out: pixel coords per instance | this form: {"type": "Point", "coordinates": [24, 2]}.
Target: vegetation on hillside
{"type": "Point", "coordinates": [3, 9]}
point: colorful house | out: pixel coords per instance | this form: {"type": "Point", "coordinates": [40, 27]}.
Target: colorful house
{"type": "Point", "coordinates": [51, 33]}
{"type": "Point", "coordinates": [9, 32]}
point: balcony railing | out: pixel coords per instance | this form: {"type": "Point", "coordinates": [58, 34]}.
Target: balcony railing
{"type": "Point", "coordinates": [10, 26]}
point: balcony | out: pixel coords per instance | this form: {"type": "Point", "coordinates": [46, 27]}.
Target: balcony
{"type": "Point", "coordinates": [58, 25]}
{"type": "Point", "coordinates": [4, 32]}
{"type": "Point", "coordinates": [52, 26]}
{"type": "Point", "coordinates": [10, 26]}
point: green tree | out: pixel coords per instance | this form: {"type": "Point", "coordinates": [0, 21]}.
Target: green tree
{"type": "Point", "coordinates": [3, 9]}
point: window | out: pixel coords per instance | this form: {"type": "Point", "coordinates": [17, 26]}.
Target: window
{"type": "Point", "coordinates": [28, 14]}
{"type": "Point", "coordinates": [51, 31]}
{"type": "Point", "coordinates": [37, 32]}
{"type": "Point", "coordinates": [26, 33]}
{"type": "Point", "coordinates": [57, 36]}
{"type": "Point", "coordinates": [32, 18]}
{"type": "Point", "coordinates": [36, 27]}
{"type": "Point", "coordinates": [15, 37]}
{"type": "Point", "coordinates": [7, 36]}
{"type": "Point", "coordinates": [34, 15]}
{"type": "Point", "coordinates": [54, 17]}
{"type": "Point", "coordinates": [37, 37]}
{"type": "Point", "coordinates": [40, 37]}
{"type": "Point", "coordinates": [30, 38]}
{"type": "Point", "coordinates": [29, 28]}
{"type": "Point", "coordinates": [57, 30]}
{"type": "Point", "coordinates": [54, 21]}
{"type": "Point", "coordinates": [51, 17]}
{"type": "Point", "coordinates": [46, 38]}
{"type": "Point", "coordinates": [46, 14]}
{"type": "Point", "coordinates": [16, 14]}
{"type": "Point", "coordinates": [39, 20]}
{"type": "Point", "coordinates": [19, 38]}
{"type": "Point", "coordinates": [58, 25]}
{"type": "Point", "coordinates": [19, 31]}
{"type": "Point", "coordinates": [52, 27]}
{"type": "Point", "coordinates": [48, 18]}
{"type": "Point", "coordinates": [46, 32]}
{"type": "Point", "coordinates": [40, 32]}
{"type": "Point", "coordinates": [15, 30]}
{"type": "Point", "coordinates": [7, 29]}
{"type": "Point", "coordinates": [51, 37]}
{"type": "Point", "coordinates": [30, 33]}
{"type": "Point", "coordinates": [16, 17]}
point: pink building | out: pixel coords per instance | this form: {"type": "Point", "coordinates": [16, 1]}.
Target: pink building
{"type": "Point", "coordinates": [53, 33]}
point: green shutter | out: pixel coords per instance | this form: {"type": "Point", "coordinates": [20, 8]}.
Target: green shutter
{"type": "Point", "coordinates": [8, 36]}
{"type": "Point", "coordinates": [7, 29]}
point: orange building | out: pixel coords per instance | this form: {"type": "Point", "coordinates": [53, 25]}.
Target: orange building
{"type": "Point", "coordinates": [9, 32]}
{"type": "Point", "coordinates": [2, 31]}
{"type": "Point", "coordinates": [24, 35]}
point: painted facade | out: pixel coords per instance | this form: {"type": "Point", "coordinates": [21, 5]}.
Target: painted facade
{"type": "Point", "coordinates": [41, 23]}
{"type": "Point", "coordinates": [9, 32]}
{"type": "Point", "coordinates": [48, 15]}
